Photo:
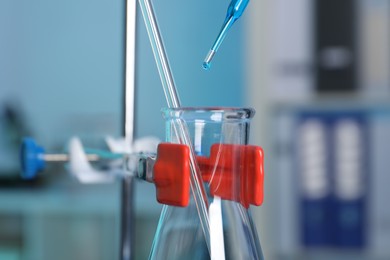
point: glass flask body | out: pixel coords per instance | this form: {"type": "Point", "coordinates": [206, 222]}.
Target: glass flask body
{"type": "Point", "coordinates": [232, 233]}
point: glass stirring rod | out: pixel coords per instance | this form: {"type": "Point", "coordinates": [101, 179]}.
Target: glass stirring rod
{"type": "Point", "coordinates": [235, 10]}
{"type": "Point", "coordinates": [171, 95]}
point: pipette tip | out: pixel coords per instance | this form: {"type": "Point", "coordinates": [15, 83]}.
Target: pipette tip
{"type": "Point", "coordinates": [207, 60]}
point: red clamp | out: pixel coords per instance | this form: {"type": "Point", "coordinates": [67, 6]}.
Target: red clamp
{"type": "Point", "coordinates": [234, 172]}
{"type": "Point", "coordinates": [238, 174]}
{"type": "Point", "coordinates": [171, 174]}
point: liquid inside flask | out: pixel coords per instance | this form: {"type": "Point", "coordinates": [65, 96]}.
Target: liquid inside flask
{"type": "Point", "coordinates": [219, 138]}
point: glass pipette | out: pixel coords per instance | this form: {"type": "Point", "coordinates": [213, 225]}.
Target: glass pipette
{"type": "Point", "coordinates": [235, 10]}
{"type": "Point", "coordinates": [197, 186]}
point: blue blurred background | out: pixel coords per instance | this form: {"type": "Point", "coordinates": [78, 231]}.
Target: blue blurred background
{"type": "Point", "coordinates": [317, 73]}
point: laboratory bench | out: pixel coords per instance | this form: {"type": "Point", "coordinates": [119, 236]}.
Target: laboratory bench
{"type": "Point", "coordinates": [64, 219]}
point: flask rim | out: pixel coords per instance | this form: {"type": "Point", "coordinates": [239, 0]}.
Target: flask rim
{"type": "Point", "coordinates": [216, 114]}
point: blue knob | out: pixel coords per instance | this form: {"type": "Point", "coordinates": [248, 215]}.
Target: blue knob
{"type": "Point", "coordinates": [31, 156]}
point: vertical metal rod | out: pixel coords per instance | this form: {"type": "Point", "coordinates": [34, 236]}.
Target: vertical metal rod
{"type": "Point", "coordinates": [127, 185]}
{"type": "Point", "coordinates": [127, 219]}
{"type": "Point", "coordinates": [129, 94]}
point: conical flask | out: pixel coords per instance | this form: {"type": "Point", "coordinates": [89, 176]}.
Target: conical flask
{"type": "Point", "coordinates": [219, 137]}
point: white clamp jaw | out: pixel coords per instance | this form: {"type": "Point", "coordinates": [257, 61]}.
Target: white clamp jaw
{"type": "Point", "coordinates": [83, 171]}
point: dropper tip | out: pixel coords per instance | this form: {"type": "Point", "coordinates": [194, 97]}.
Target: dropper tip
{"type": "Point", "coordinates": [207, 60]}
{"type": "Point", "coordinates": [206, 65]}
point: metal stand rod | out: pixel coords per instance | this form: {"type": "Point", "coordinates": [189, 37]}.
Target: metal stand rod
{"type": "Point", "coordinates": [127, 220]}
{"type": "Point", "coordinates": [127, 185]}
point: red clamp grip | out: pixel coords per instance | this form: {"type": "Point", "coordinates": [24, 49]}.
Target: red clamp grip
{"type": "Point", "coordinates": [238, 174]}
{"type": "Point", "coordinates": [172, 174]}
{"type": "Point", "coordinates": [234, 172]}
